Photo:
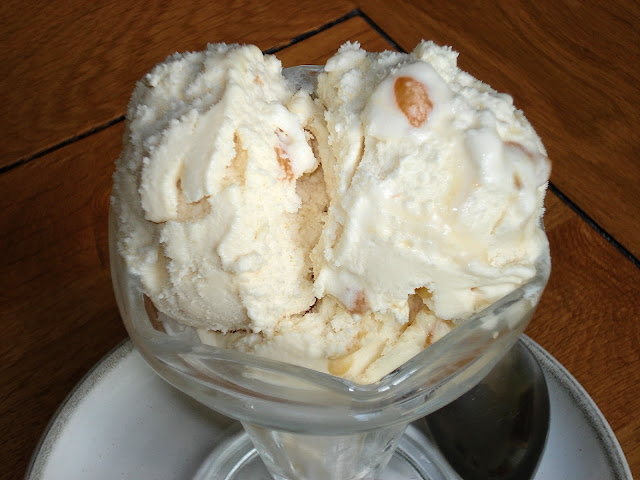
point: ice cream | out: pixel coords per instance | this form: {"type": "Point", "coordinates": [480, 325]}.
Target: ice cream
{"type": "Point", "coordinates": [439, 184]}
{"type": "Point", "coordinates": [342, 230]}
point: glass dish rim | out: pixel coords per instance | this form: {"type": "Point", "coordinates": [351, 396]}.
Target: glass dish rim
{"type": "Point", "coordinates": [362, 393]}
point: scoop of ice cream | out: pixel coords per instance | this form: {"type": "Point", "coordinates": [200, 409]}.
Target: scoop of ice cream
{"type": "Point", "coordinates": [207, 190]}
{"type": "Point", "coordinates": [344, 231]}
{"type": "Point", "coordinates": [437, 184]}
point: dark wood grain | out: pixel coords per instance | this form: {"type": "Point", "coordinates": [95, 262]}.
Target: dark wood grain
{"type": "Point", "coordinates": [70, 66]}
{"type": "Point", "coordinates": [588, 320]}
{"type": "Point", "coordinates": [57, 306]}
{"type": "Point", "coordinates": [572, 67]}
{"type": "Point", "coordinates": [318, 48]}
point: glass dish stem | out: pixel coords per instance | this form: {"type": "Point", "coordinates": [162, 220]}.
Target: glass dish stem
{"type": "Point", "coordinates": [294, 456]}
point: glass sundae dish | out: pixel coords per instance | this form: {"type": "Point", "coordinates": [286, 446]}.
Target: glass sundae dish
{"type": "Point", "coordinates": [306, 423]}
{"type": "Point", "coordinates": [311, 425]}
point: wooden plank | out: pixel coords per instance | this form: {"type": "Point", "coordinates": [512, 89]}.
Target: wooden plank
{"type": "Point", "coordinates": [59, 315]}
{"type": "Point", "coordinates": [70, 66]}
{"type": "Point", "coordinates": [325, 44]}
{"type": "Point", "coordinates": [58, 310]}
{"type": "Point", "coordinates": [588, 320]}
{"type": "Point", "coordinates": [572, 67]}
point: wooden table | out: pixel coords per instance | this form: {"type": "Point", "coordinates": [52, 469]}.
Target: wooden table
{"type": "Point", "coordinates": [70, 66]}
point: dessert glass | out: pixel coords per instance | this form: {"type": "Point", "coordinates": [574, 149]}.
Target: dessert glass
{"type": "Point", "coordinates": [303, 424]}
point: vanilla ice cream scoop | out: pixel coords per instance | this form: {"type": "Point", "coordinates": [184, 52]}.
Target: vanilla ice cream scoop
{"type": "Point", "coordinates": [343, 230]}
{"type": "Point", "coordinates": [439, 185]}
{"type": "Point", "coordinates": [206, 190]}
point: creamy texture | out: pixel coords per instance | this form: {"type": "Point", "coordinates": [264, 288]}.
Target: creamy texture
{"type": "Point", "coordinates": [205, 190]}
{"type": "Point", "coordinates": [446, 196]}
{"type": "Point", "coordinates": [343, 232]}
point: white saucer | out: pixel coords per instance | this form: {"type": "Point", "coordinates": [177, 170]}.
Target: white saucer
{"type": "Point", "coordinates": [123, 421]}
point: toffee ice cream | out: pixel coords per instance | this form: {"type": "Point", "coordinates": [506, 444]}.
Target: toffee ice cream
{"type": "Point", "coordinates": [344, 229]}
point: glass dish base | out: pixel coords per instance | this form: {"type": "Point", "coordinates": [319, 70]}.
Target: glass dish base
{"type": "Point", "coordinates": [415, 458]}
